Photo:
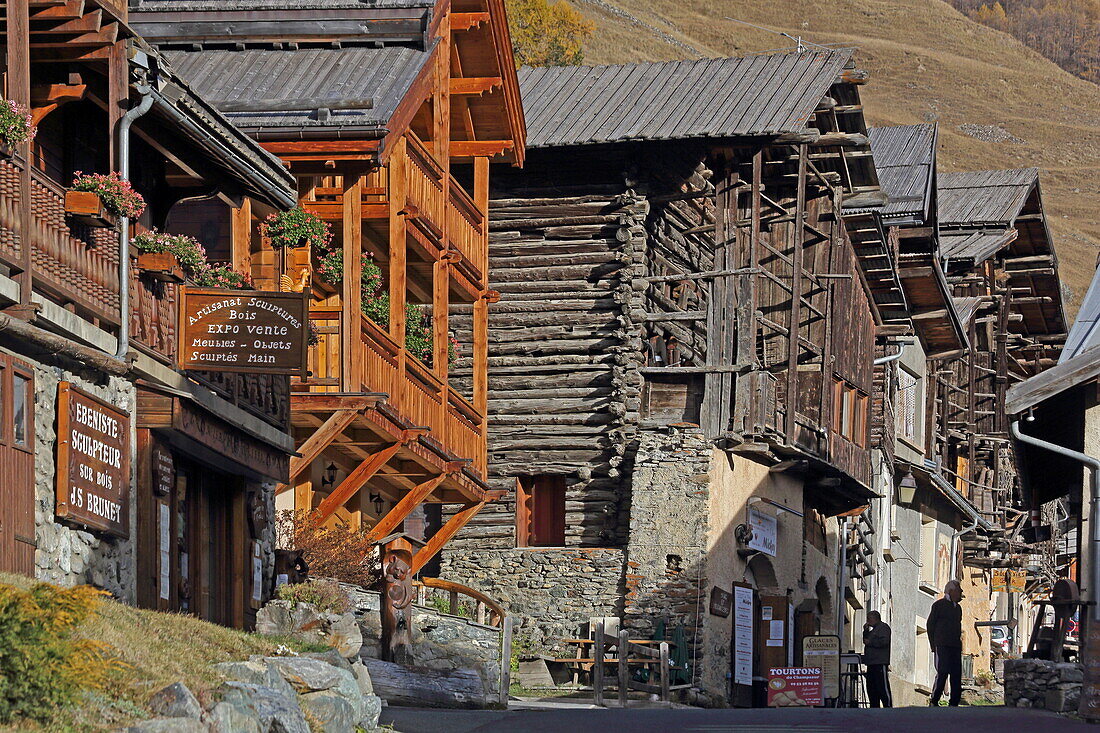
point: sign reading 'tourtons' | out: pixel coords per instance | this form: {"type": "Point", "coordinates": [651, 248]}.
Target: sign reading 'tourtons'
{"type": "Point", "coordinates": [93, 462]}
{"type": "Point", "coordinates": [246, 331]}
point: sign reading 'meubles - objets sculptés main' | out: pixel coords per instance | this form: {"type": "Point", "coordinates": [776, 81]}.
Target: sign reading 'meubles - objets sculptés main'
{"type": "Point", "coordinates": [243, 331]}
{"type": "Point", "coordinates": [93, 462]}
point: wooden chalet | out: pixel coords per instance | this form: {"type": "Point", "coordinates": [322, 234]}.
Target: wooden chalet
{"type": "Point", "coordinates": [388, 115]}
{"type": "Point", "coordinates": [652, 257]}
{"type": "Point", "coordinates": [189, 530]}
{"type": "Point", "coordinates": [999, 259]}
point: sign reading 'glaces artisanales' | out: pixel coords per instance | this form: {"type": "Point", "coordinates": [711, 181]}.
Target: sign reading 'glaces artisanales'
{"type": "Point", "coordinates": [243, 331]}
{"type": "Point", "coordinates": [93, 462]}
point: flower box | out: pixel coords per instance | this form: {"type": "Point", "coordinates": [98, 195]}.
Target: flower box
{"type": "Point", "coordinates": [162, 266]}
{"type": "Point", "coordinates": [87, 208]}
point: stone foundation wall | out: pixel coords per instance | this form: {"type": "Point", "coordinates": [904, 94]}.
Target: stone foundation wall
{"type": "Point", "coordinates": [669, 515]}
{"type": "Point", "coordinates": [1037, 683]}
{"type": "Point", "coordinates": [66, 555]}
{"type": "Point", "coordinates": [552, 592]}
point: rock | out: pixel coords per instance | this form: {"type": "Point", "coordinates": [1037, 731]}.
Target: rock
{"type": "Point", "coordinates": [256, 672]}
{"type": "Point", "coordinates": [286, 618]}
{"type": "Point", "coordinates": [276, 711]}
{"type": "Point", "coordinates": [333, 657]}
{"type": "Point", "coordinates": [362, 676]}
{"type": "Point", "coordinates": [372, 709]}
{"type": "Point", "coordinates": [343, 633]}
{"type": "Point", "coordinates": [168, 725]}
{"type": "Point", "coordinates": [175, 701]}
{"type": "Point", "coordinates": [233, 717]}
{"type": "Point", "coordinates": [331, 711]}
{"type": "Point", "coordinates": [305, 674]}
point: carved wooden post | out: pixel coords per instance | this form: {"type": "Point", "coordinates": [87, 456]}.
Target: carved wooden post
{"type": "Point", "coordinates": [397, 598]}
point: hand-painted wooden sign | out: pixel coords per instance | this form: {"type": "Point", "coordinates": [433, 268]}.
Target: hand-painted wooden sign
{"type": "Point", "coordinates": [93, 462]}
{"type": "Point", "coordinates": [243, 331]}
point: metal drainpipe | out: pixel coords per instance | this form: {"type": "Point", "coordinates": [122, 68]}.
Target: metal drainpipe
{"type": "Point", "coordinates": [891, 357]}
{"type": "Point", "coordinates": [1094, 507]}
{"type": "Point", "coordinates": [124, 221]}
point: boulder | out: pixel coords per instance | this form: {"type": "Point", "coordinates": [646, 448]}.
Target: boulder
{"type": "Point", "coordinates": [286, 618]}
{"type": "Point", "coordinates": [275, 710]}
{"type": "Point", "coordinates": [168, 725]}
{"type": "Point", "coordinates": [333, 657]}
{"type": "Point", "coordinates": [175, 701]}
{"type": "Point", "coordinates": [306, 674]}
{"type": "Point", "coordinates": [362, 676]}
{"type": "Point", "coordinates": [343, 633]}
{"type": "Point", "coordinates": [255, 671]}
{"type": "Point", "coordinates": [233, 716]}
{"type": "Point", "coordinates": [331, 711]}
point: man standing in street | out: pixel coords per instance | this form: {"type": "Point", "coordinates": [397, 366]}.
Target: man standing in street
{"type": "Point", "coordinates": [945, 636]}
{"type": "Point", "coordinates": [876, 655]}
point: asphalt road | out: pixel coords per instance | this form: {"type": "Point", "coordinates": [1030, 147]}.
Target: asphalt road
{"type": "Point", "coordinates": [897, 720]}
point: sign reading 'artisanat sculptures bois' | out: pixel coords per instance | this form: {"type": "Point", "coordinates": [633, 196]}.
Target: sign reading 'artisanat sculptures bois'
{"type": "Point", "coordinates": [243, 331]}
{"type": "Point", "coordinates": [93, 462]}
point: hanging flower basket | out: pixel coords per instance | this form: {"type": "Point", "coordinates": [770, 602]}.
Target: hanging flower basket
{"type": "Point", "coordinates": [296, 228]}
{"type": "Point", "coordinates": [114, 197]}
{"type": "Point", "coordinates": [16, 126]}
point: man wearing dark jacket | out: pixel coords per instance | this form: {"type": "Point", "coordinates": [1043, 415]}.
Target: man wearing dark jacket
{"type": "Point", "coordinates": [945, 636]}
{"type": "Point", "coordinates": [876, 655]}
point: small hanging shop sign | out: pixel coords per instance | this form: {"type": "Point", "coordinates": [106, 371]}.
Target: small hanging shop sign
{"type": "Point", "coordinates": [243, 331]}
{"type": "Point", "coordinates": [93, 462]}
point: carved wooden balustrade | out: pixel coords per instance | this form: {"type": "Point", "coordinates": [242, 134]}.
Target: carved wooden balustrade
{"type": "Point", "coordinates": [76, 266]}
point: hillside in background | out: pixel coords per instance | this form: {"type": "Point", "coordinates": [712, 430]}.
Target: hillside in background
{"type": "Point", "coordinates": [999, 104]}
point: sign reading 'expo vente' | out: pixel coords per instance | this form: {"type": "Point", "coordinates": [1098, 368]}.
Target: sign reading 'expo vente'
{"type": "Point", "coordinates": [243, 331]}
{"type": "Point", "coordinates": [93, 462]}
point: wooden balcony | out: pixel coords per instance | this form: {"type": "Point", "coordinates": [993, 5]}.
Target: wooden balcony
{"type": "Point", "coordinates": [414, 394]}
{"type": "Point", "coordinates": [441, 213]}
{"type": "Point", "coordinates": [77, 267]}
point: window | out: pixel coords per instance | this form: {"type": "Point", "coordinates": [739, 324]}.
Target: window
{"type": "Point", "coordinates": [16, 404]}
{"type": "Point", "coordinates": [540, 511]}
{"type": "Point", "coordinates": [850, 412]}
{"type": "Point", "coordinates": [928, 543]}
{"type": "Point", "coordinates": [908, 401]}
{"type": "Point", "coordinates": [21, 400]}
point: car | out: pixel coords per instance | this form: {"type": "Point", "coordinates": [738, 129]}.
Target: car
{"type": "Point", "coordinates": [1001, 640]}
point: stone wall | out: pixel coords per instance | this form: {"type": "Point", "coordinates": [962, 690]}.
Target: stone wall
{"type": "Point", "coordinates": [66, 555]}
{"type": "Point", "coordinates": [552, 592]}
{"type": "Point", "coordinates": [666, 558]}
{"type": "Point", "coordinates": [1037, 683]}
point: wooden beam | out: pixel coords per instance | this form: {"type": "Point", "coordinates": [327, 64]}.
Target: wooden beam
{"type": "Point", "coordinates": [479, 148]}
{"type": "Point", "coordinates": [322, 146]}
{"type": "Point", "coordinates": [444, 535]}
{"type": "Point", "coordinates": [475, 84]}
{"type": "Point", "coordinates": [351, 341]}
{"type": "Point", "coordinates": [358, 478]}
{"type": "Point", "coordinates": [401, 509]}
{"type": "Point", "coordinates": [315, 444]}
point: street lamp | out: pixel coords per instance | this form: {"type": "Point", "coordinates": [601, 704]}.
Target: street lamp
{"type": "Point", "coordinates": [907, 489]}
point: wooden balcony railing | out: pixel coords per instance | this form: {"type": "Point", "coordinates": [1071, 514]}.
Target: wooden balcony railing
{"type": "Point", "coordinates": [412, 389]}
{"type": "Point", "coordinates": [77, 267]}
{"type": "Point", "coordinates": [466, 230]}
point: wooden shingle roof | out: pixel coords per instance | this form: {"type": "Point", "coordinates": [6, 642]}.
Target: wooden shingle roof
{"type": "Point", "coordinates": [706, 98]}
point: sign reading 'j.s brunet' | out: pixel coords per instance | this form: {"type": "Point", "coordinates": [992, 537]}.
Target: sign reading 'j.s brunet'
{"type": "Point", "coordinates": [246, 331]}
{"type": "Point", "coordinates": [93, 462]}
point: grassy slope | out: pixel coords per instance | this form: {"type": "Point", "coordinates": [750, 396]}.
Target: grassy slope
{"type": "Point", "coordinates": [157, 649]}
{"type": "Point", "coordinates": [927, 62]}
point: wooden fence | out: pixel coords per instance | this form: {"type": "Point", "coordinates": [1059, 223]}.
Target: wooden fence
{"type": "Point", "coordinates": [627, 654]}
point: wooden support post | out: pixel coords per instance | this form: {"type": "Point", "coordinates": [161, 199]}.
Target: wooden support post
{"type": "Point", "coordinates": [315, 444]}
{"type": "Point", "coordinates": [355, 481]}
{"type": "Point", "coordinates": [481, 200]}
{"type": "Point", "coordinates": [444, 535]}
{"type": "Point", "coordinates": [241, 232]}
{"type": "Point", "coordinates": [505, 659]}
{"type": "Point", "coordinates": [624, 667]}
{"type": "Point", "coordinates": [351, 344]}
{"type": "Point", "coordinates": [793, 345]}
{"type": "Point", "coordinates": [18, 73]}
{"type": "Point", "coordinates": [441, 106]}
{"type": "Point", "coordinates": [401, 509]}
{"type": "Point", "coordinates": [597, 665]}
{"type": "Point", "coordinates": [481, 355]}
{"type": "Point", "coordinates": [441, 286]}
{"type": "Point", "coordinates": [303, 496]}
{"type": "Point", "coordinates": [398, 253]}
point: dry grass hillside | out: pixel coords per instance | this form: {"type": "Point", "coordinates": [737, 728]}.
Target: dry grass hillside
{"type": "Point", "coordinates": [928, 62]}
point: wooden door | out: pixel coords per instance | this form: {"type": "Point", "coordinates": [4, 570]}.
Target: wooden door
{"type": "Point", "coordinates": [772, 637]}
{"type": "Point", "coordinates": [17, 541]}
